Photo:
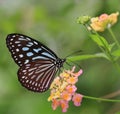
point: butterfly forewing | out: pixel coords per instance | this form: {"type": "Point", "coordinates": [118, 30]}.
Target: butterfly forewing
{"type": "Point", "coordinates": [38, 64]}
{"type": "Point", "coordinates": [25, 49]}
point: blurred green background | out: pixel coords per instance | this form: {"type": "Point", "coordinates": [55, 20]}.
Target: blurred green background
{"type": "Point", "coordinates": [54, 23]}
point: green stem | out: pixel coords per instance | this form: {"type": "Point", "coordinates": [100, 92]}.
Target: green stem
{"type": "Point", "coordinates": [117, 66]}
{"type": "Point", "coordinates": [114, 37]}
{"type": "Point", "coordinates": [100, 99]}
{"type": "Point", "coordinates": [106, 51]}
{"type": "Point", "coordinates": [87, 56]}
{"type": "Point", "coordinates": [86, 26]}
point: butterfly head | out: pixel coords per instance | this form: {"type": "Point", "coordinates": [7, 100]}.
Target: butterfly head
{"type": "Point", "coordinates": [60, 62]}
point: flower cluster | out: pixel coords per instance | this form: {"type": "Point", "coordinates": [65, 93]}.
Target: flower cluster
{"type": "Point", "coordinates": [104, 21]}
{"type": "Point", "coordinates": [63, 90]}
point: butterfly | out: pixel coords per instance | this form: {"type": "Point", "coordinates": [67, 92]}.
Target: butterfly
{"type": "Point", "coordinates": [37, 63]}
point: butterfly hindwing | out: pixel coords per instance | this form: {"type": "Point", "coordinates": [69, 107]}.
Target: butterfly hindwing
{"type": "Point", "coordinates": [38, 76]}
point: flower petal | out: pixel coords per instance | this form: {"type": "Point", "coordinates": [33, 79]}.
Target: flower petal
{"type": "Point", "coordinates": [72, 80]}
{"type": "Point", "coordinates": [103, 21]}
{"type": "Point", "coordinates": [55, 104]}
{"type": "Point", "coordinates": [77, 99]}
{"type": "Point", "coordinates": [71, 89]}
{"type": "Point", "coordinates": [66, 96]}
{"type": "Point", "coordinates": [64, 105]}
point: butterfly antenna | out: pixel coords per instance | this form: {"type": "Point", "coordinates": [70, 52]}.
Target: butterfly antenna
{"type": "Point", "coordinates": [68, 64]}
{"type": "Point", "coordinates": [74, 53]}
{"type": "Point", "coordinates": [73, 63]}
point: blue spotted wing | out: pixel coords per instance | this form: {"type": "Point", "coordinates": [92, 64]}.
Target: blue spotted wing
{"type": "Point", "coordinates": [38, 64]}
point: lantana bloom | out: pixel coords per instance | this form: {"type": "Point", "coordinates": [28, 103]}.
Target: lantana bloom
{"type": "Point", "coordinates": [63, 90]}
{"type": "Point", "coordinates": [103, 21]}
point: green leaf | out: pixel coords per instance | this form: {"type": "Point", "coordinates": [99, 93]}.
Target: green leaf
{"type": "Point", "coordinates": [101, 41]}
{"type": "Point", "coordinates": [111, 46]}
{"type": "Point", "coordinates": [116, 53]}
{"type": "Point", "coordinates": [84, 57]}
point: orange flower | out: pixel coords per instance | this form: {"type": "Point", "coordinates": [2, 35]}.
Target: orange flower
{"type": "Point", "coordinates": [55, 104]}
{"type": "Point", "coordinates": [66, 96]}
{"type": "Point", "coordinates": [103, 21]}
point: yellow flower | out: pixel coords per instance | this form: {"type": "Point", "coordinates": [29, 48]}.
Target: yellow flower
{"type": "Point", "coordinates": [72, 80]}
{"type": "Point", "coordinates": [50, 97]}
{"type": "Point", "coordinates": [63, 86]}
{"type": "Point", "coordinates": [103, 21]}
{"type": "Point", "coordinates": [64, 75]}
{"type": "Point", "coordinates": [113, 18]}
{"type": "Point", "coordinates": [54, 95]}
{"type": "Point", "coordinates": [55, 83]}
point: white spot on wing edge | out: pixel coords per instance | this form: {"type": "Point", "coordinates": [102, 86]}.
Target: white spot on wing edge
{"type": "Point", "coordinates": [35, 42]}
{"type": "Point", "coordinates": [17, 49]}
{"type": "Point", "coordinates": [21, 55]}
{"type": "Point", "coordinates": [26, 61]}
{"type": "Point", "coordinates": [14, 36]}
{"type": "Point", "coordinates": [11, 39]}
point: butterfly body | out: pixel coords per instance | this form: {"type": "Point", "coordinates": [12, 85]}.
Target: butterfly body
{"type": "Point", "coordinates": [38, 64]}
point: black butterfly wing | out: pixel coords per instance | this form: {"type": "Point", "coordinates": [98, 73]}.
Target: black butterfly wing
{"type": "Point", "coordinates": [37, 76]}
{"type": "Point", "coordinates": [37, 62]}
{"type": "Point", "coordinates": [25, 49]}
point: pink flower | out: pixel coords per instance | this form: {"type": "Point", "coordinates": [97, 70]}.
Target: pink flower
{"type": "Point", "coordinates": [64, 105]}
{"type": "Point", "coordinates": [78, 73]}
{"type": "Point", "coordinates": [71, 88]}
{"type": "Point", "coordinates": [77, 99]}
{"type": "Point", "coordinates": [103, 17]}
{"type": "Point", "coordinates": [75, 74]}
